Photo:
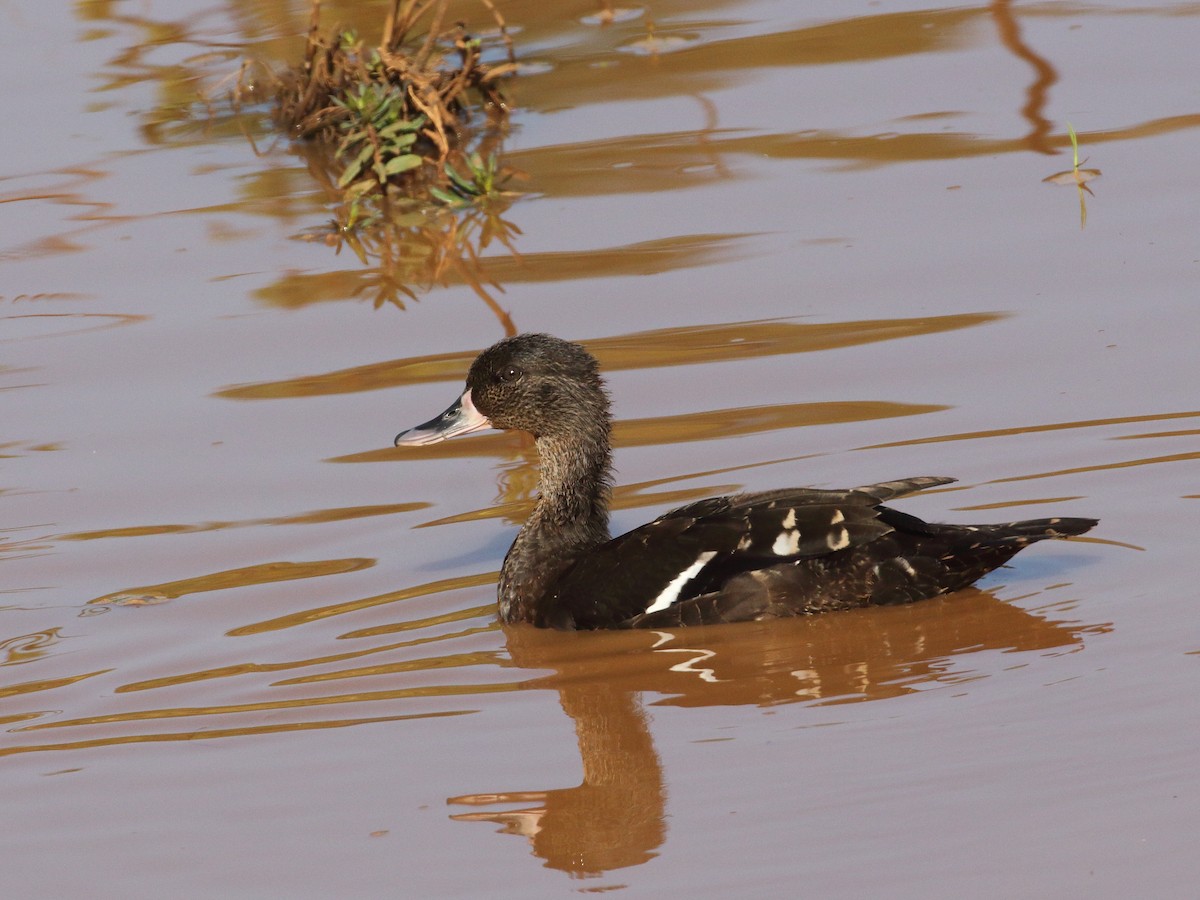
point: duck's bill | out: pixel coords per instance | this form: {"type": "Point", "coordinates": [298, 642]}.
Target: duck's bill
{"type": "Point", "coordinates": [461, 418]}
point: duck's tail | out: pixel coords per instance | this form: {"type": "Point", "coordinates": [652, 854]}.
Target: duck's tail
{"type": "Point", "coordinates": [1030, 530]}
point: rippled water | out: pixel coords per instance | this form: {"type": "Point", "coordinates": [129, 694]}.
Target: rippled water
{"type": "Point", "coordinates": [249, 649]}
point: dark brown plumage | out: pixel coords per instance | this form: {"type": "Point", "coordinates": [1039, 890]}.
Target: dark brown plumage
{"type": "Point", "coordinates": [764, 555]}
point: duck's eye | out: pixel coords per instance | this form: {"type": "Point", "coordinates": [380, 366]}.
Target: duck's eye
{"type": "Point", "coordinates": [512, 373]}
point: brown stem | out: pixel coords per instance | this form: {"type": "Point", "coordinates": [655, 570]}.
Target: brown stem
{"type": "Point", "coordinates": [314, 23]}
{"type": "Point", "coordinates": [435, 28]}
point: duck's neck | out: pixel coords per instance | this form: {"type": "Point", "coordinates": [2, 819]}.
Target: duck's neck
{"type": "Point", "coordinates": [570, 518]}
{"type": "Point", "coordinates": [574, 485]}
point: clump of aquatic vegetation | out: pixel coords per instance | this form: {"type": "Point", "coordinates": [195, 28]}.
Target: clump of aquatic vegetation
{"type": "Point", "coordinates": [415, 119]}
{"type": "Point", "coordinates": [403, 136]}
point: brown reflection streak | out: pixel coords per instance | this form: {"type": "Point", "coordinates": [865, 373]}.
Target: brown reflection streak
{"type": "Point", "coordinates": [1008, 504]}
{"type": "Point", "coordinates": [210, 734]}
{"type": "Point", "coordinates": [8, 449]}
{"type": "Point", "coordinates": [6, 372]}
{"type": "Point", "coordinates": [266, 573]}
{"type": "Point", "coordinates": [337, 609]}
{"type": "Point", "coordinates": [1103, 467]}
{"type": "Point", "coordinates": [688, 345]}
{"type": "Point", "coordinates": [483, 657]}
{"type": "Point", "coordinates": [486, 610]}
{"type": "Point", "coordinates": [1186, 432]}
{"type": "Point", "coordinates": [95, 213]}
{"type": "Point", "coordinates": [317, 517]}
{"type": "Point", "coordinates": [32, 687]}
{"type": "Point", "coordinates": [18, 717]}
{"type": "Point", "coordinates": [567, 175]}
{"type": "Point", "coordinates": [616, 817]}
{"type": "Point", "coordinates": [300, 289]}
{"type": "Point", "coordinates": [1045, 75]}
{"type": "Point", "coordinates": [113, 320]}
{"type": "Point", "coordinates": [660, 430]}
{"type": "Point", "coordinates": [239, 669]}
{"type": "Point", "coordinates": [1034, 429]}
{"type": "Point", "coordinates": [724, 423]}
{"type": "Point", "coordinates": [710, 65]}
{"type": "Point", "coordinates": [624, 497]}
{"type": "Point", "coordinates": [187, 712]}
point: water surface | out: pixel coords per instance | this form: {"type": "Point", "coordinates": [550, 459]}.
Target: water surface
{"type": "Point", "coordinates": [247, 646]}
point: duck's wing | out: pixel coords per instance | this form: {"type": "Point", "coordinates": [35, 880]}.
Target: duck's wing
{"type": "Point", "coordinates": [697, 548]}
{"type": "Point", "coordinates": [787, 497]}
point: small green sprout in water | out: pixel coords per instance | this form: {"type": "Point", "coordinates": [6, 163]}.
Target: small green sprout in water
{"type": "Point", "coordinates": [1075, 175]}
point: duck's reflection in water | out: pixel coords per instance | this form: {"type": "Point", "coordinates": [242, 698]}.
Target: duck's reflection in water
{"type": "Point", "coordinates": [616, 817]}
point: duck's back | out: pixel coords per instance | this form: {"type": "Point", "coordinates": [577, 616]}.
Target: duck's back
{"type": "Point", "coordinates": [782, 553]}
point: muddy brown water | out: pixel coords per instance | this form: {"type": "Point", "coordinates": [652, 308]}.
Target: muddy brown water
{"type": "Point", "coordinates": [247, 649]}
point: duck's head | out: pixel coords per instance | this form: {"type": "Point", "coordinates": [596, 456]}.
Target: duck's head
{"type": "Point", "coordinates": [537, 383]}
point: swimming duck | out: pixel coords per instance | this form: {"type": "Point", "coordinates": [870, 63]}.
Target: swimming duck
{"type": "Point", "coordinates": [765, 555]}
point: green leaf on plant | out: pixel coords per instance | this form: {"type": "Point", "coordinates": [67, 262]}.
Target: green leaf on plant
{"type": "Point", "coordinates": [446, 197]}
{"type": "Point", "coordinates": [355, 166]}
{"type": "Point", "coordinates": [465, 184]}
{"type": "Point", "coordinates": [399, 164]}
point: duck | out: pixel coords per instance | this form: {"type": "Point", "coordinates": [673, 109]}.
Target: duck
{"type": "Point", "coordinates": [744, 557]}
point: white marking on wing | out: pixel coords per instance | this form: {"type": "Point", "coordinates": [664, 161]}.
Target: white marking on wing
{"type": "Point", "coordinates": [787, 544]}
{"type": "Point", "coordinates": [838, 516]}
{"type": "Point", "coordinates": [790, 521]}
{"type": "Point", "coordinates": [671, 592]}
{"type": "Point", "coordinates": [838, 540]}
